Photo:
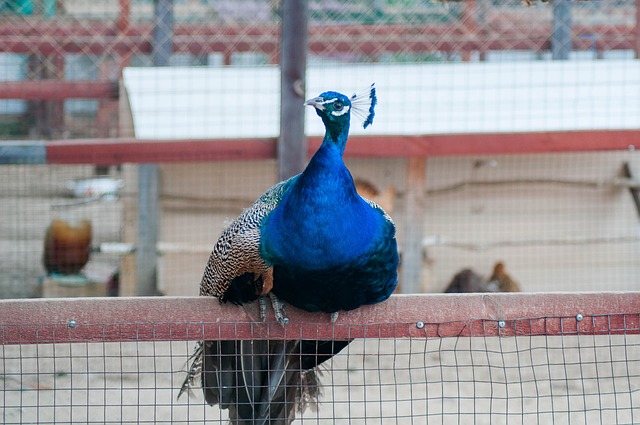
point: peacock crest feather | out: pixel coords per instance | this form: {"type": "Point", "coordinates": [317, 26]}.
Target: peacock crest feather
{"type": "Point", "coordinates": [364, 105]}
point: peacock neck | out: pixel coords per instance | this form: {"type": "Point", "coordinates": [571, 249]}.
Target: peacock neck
{"type": "Point", "coordinates": [327, 171]}
{"type": "Point", "coordinates": [336, 136]}
{"type": "Point", "coordinates": [321, 221]}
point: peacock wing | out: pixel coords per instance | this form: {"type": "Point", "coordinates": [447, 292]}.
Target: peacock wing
{"type": "Point", "coordinates": [235, 271]}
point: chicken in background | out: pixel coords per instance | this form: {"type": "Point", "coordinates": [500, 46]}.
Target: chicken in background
{"type": "Point", "coordinates": [467, 281]}
{"type": "Point", "coordinates": [66, 246]}
{"type": "Point", "coordinates": [500, 281]}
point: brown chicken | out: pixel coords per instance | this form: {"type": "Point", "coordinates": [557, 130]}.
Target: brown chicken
{"type": "Point", "coordinates": [66, 246]}
{"type": "Point", "coordinates": [501, 280]}
{"type": "Point", "coordinates": [467, 281]}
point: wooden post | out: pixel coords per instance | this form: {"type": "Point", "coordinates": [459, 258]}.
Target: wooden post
{"type": "Point", "coordinates": [48, 113]}
{"type": "Point", "coordinates": [107, 114]}
{"type": "Point", "coordinates": [470, 24]}
{"type": "Point", "coordinates": [634, 191]}
{"type": "Point", "coordinates": [148, 186]}
{"type": "Point", "coordinates": [123, 24]}
{"type": "Point", "coordinates": [55, 109]}
{"type": "Point", "coordinates": [562, 29]}
{"type": "Point", "coordinates": [637, 30]}
{"type": "Point", "coordinates": [292, 144]}
{"type": "Point", "coordinates": [129, 232]}
{"type": "Point", "coordinates": [414, 226]}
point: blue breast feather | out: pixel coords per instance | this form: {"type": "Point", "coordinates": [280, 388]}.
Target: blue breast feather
{"type": "Point", "coordinates": [330, 249]}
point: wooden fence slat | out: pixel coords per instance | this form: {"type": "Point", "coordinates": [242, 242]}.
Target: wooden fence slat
{"type": "Point", "coordinates": [58, 90]}
{"type": "Point", "coordinates": [402, 316]}
{"type": "Point", "coordinates": [129, 150]}
{"type": "Point", "coordinates": [100, 38]}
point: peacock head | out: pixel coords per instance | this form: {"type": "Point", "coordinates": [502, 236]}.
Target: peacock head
{"type": "Point", "coordinates": [335, 109]}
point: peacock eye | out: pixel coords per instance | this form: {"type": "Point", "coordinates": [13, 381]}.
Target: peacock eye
{"type": "Point", "coordinates": [338, 106]}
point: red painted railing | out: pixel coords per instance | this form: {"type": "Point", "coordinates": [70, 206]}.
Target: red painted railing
{"type": "Point", "coordinates": [58, 90]}
{"type": "Point", "coordinates": [50, 37]}
{"type": "Point", "coordinates": [402, 316]}
{"type": "Point", "coordinates": [118, 151]}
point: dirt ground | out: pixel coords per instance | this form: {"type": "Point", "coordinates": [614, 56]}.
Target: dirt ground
{"type": "Point", "coordinates": [569, 380]}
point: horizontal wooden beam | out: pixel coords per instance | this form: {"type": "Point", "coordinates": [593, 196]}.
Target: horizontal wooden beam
{"type": "Point", "coordinates": [402, 316]}
{"type": "Point", "coordinates": [58, 90]}
{"type": "Point", "coordinates": [118, 151]}
{"type": "Point", "coordinates": [490, 143]}
{"type": "Point", "coordinates": [46, 37]}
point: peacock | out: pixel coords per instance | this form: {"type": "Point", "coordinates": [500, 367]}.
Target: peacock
{"type": "Point", "coordinates": [310, 242]}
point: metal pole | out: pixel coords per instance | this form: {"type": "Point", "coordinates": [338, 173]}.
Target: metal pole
{"type": "Point", "coordinates": [162, 43]}
{"type": "Point", "coordinates": [292, 144]}
{"type": "Point", "coordinates": [562, 31]}
{"type": "Point", "coordinates": [148, 186]}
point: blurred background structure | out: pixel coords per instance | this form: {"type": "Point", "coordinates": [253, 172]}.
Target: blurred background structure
{"type": "Point", "coordinates": [505, 133]}
{"type": "Point", "coordinates": [504, 147]}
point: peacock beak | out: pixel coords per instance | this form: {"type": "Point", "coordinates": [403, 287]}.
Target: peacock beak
{"type": "Point", "coordinates": [316, 102]}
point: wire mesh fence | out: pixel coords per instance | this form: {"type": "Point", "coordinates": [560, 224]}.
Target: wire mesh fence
{"type": "Point", "coordinates": [542, 369]}
{"type": "Point", "coordinates": [484, 151]}
{"type": "Point", "coordinates": [73, 40]}
{"type": "Point", "coordinates": [561, 229]}
{"type": "Point", "coordinates": [559, 221]}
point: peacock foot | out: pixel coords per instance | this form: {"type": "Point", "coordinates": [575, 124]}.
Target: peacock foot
{"type": "Point", "coordinates": [278, 308]}
{"type": "Point", "coordinates": [262, 300]}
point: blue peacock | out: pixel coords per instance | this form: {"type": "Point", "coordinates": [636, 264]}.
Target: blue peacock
{"type": "Point", "coordinates": [311, 242]}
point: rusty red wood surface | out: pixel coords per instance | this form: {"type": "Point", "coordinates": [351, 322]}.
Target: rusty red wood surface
{"type": "Point", "coordinates": [491, 143]}
{"type": "Point", "coordinates": [58, 90]}
{"type": "Point", "coordinates": [403, 316]}
{"type": "Point", "coordinates": [46, 37]}
{"type": "Point", "coordinates": [118, 151]}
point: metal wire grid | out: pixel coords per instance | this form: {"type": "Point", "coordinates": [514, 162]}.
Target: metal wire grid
{"type": "Point", "coordinates": [537, 213]}
{"type": "Point", "coordinates": [424, 31]}
{"type": "Point", "coordinates": [78, 40]}
{"type": "Point", "coordinates": [551, 219]}
{"type": "Point", "coordinates": [88, 40]}
{"type": "Point", "coordinates": [572, 378]}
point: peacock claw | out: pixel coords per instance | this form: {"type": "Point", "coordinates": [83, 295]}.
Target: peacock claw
{"type": "Point", "coordinates": [334, 316]}
{"type": "Point", "coordinates": [279, 309]}
{"type": "Point", "coordinates": [263, 308]}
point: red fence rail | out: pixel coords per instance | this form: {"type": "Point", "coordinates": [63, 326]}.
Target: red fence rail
{"type": "Point", "coordinates": [124, 150]}
{"type": "Point", "coordinates": [410, 316]}
{"type": "Point", "coordinates": [47, 38]}
{"type": "Point", "coordinates": [58, 90]}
